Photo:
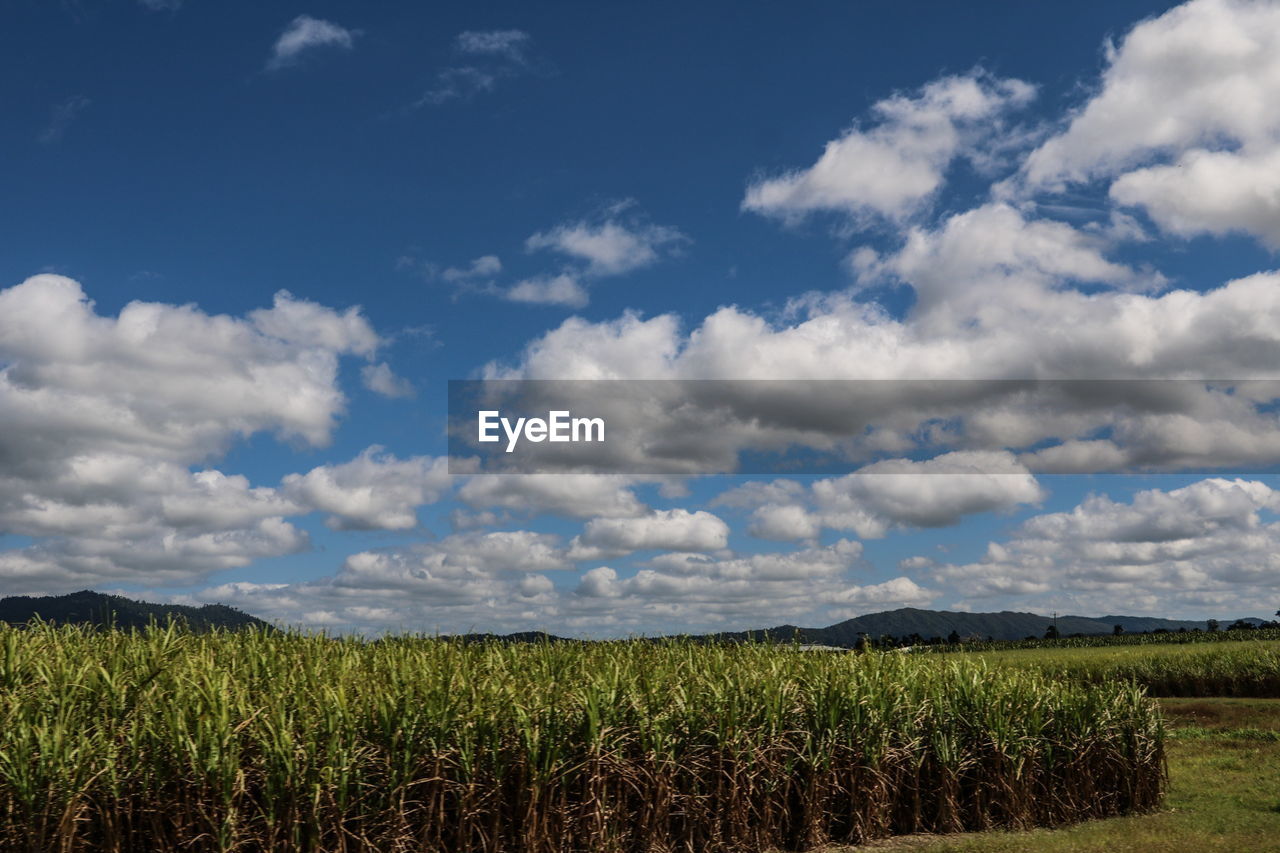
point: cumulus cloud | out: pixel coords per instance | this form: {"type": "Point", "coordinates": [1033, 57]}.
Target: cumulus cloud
{"type": "Point", "coordinates": [892, 493]}
{"type": "Point", "coordinates": [102, 418]}
{"type": "Point", "coordinates": [502, 581]}
{"type": "Point", "coordinates": [106, 517]}
{"type": "Point", "coordinates": [1203, 72]}
{"type": "Point", "coordinates": [570, 495]}
{"type": "Point", "coordinates": [470, 555]}
{"type": "Point", "coordinates": [143, 554]}
{"type": "Point", "coordinates": [785, 522]}
{"type": "Point", "coordinates": [673, 530]}
{"type": "Point", "coordinates": [1185, 122]}
{"type": "Point", "coordinates": [380, 379]}
{"type": "Point", "coordinates": [711, 592]}
{"type": "Point", "coordinates": [563, 289]}
{"type": "Point", "coordinates": [999, 296]}
{"type": "Point", "coordinates": [892, 167]}
{"type": "Point", "coordinates": [891, 594]}
{"type": "Point", "coordinates": [162, 380]}
{"type": "Point", "coordinates": [1209, 192]}
{"type": "Point", "coordinates": [373, 491]}
{"type": "Point", "coordinates": [1017, 268]}
{"type": "Point", "coordinates": [305, 34]}
{"type": "Point", "coordinates": [463, 582]}
{"type": "Point", "coordinates": [1213, 543]}
{"type": "Point", "coordinates": [995, 253]}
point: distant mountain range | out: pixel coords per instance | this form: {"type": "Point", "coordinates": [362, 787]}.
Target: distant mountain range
{"type": "Point", "coordinates": [1005, 625]}
{"type": "Point", "coordinates": [96, 608]}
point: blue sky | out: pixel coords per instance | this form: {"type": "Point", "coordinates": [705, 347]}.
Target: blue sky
{"type": "Point", "coordinates": [607, 191]}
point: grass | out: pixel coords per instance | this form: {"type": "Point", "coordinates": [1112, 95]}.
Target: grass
{"type": "Point", "coordinates": [168, 740]}
{"type": "Point", "coordinates": [1224, 794]}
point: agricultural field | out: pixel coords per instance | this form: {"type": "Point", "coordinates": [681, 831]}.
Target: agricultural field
{"type": "Point", "coordinates": [1223, 749]}
{"type": "Point", "coordinates": [1224, 794]}
{"type": "Point", "coordinates": [1245, 668]}
{"type": "Point", "coordinates": [256, 741]}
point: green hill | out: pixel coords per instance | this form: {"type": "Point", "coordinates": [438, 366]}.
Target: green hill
{"type": "Point", "coordinates": [96, 608]}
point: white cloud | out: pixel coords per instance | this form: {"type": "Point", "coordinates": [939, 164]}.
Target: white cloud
{"type": "Point", "coordinates": [610, 247]}
{"type": "Point", "coordinates": [894, 593]}
{"type": "Point", "coordinates": [785, 522]}
{"type": "Point", "coordinates": [107, 517]}
{"type": "Point", "coordinates": [305, 33]}
{"type": "Point", "coordinates": [672, 530]}
{"type": "Point", "coordinates": [611, 243]}
{"type": "Point", "coordinates": [485, 266]}
{"type": "Point", "coordinates": [998, 296]}
{"type": "Point", "coordinates": [1186, 121]}
{"type": "Point", "coordinates": [1165, 551]}
{"type": "Point", "coordinates": [309, 324]}
{"type": "Point", "coordinates": [933, 493]}
{"type": "Point", "coordinates": [995, 254]}
{"type": "Point", "coordinates": [380, 379]}
{"type": "Point", "coordinates": [570, 495]}
{"type": "Point", "coordinates": [893, 167]}
{"type": "Point", "coordinates": [461, 555]}
{"type": "Point", "coordinates": [143, 554]}
{"type": "Point", "coordinates": [164, 381]}
{"type": "Point", "coordinates": [373, 491]}
{"type": "Point", "coordinates": [973, 275]}
{"type": "Point", "coordinates": [101, 418]}
{"type": "Point", "coordinates": [1209, 192]}
{"type": "Point", "coordinates": [600, 582]}
{"type": "Point", "coordinates": [562, 289]}
{"type": "Point", "coordinates": [758, 589]}
{"type": "Point", "coordinates": [498, 582]}
{"type": "Point", "coordinates": [892, 493]}
{"type": "Point", "coordinates": [1205, 72]}
{"type": "Point", "coordinates": [464, 582]}
{"type": "Point", "coordinates": [626, 348]}
{"type": "Point", "coordinates": [831, 561]}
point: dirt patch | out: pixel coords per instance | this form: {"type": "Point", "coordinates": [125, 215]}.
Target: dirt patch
{"type": "Point", "coordinates": [1223, 713]}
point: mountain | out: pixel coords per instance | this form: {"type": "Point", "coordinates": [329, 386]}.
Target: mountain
{"type": "Point", "coordinates": [96, 608]}
{"type": "Point", "coordinates": [1005, 625]}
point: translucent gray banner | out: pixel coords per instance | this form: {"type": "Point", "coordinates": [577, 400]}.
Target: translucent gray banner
{"type": "Point", "coordinates": [663, 427]}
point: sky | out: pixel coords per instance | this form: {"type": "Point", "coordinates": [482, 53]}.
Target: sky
{"type": "Point", "coordinates": [246, 246]}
